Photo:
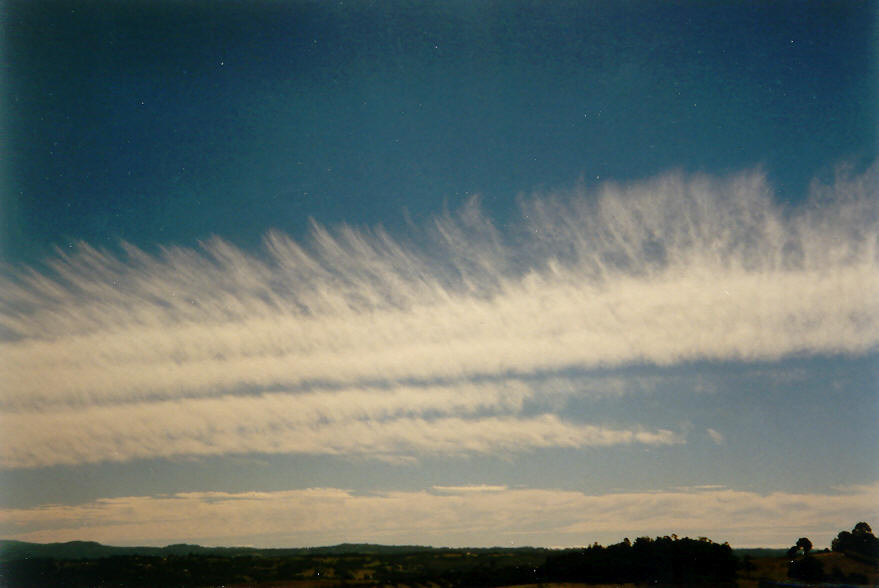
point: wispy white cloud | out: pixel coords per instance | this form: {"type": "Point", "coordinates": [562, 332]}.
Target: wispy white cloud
{"type": "Point", "coordinates": [537, 324]}
{"type": "Point", "coordinates": [355, 423]}
{"type": "Point", "coordinates": [716, 436]}
{"type": "Point", "coordinates": [671, 270]}
{"type": "Point", "coordinates": [467, 489]}
{"type": "Point", "coordinates": [469, 515]}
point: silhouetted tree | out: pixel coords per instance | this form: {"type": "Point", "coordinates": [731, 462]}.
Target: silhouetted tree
{"type": "Point", "coordinates": [804, 544]}
{"type": "Point", "coordinates": [662, 560]}
{"type": "Point", "coordinates": [842, 541]}
{"type": "Point", "coordinates": [860, 542]}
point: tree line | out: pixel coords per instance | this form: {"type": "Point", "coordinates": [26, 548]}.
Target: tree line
{"type": "Point", "coordinates": [664, 560]}
{"type": "Point", "coordinates": [859, 544]}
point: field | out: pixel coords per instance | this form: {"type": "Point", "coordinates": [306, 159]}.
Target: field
{"type": "Point", "coordinates": [775, 569]}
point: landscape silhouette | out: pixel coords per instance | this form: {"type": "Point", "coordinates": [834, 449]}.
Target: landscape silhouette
{"type": "Point", "coordinates": [853, 560]}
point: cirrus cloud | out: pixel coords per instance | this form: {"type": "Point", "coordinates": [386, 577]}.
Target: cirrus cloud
{"type": "Point", "coordinates": [336, 345]}
{"type": "Point", "coordinates": [373, 424]}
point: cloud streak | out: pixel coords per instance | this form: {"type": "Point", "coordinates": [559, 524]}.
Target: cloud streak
{"type": "Point", "coordinates": [360, 423]}
{"type": "Point", "coordinates": [134, 347]}
{"type": "Point", "coordinates": [716, 436]}
{"type": "Point", "coordinates": [469, 515]}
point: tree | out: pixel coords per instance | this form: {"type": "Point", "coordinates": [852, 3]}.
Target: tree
{"type": "Point", "coordinates": [860, 541]}
{"type": "Point", "coordinates": [664, 560]}
{"type": "Point", "coordinates": [804, 544]}
{"type": "Point", "coordinates": [842, 542]}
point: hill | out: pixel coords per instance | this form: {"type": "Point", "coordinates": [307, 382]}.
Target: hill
{"type": "Point", "coordinates": [756, 552]}
{"type": "Point", "coordinates": [73, 550]}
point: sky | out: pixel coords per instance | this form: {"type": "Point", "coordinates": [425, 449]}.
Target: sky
{"type": "Point", "coordinates": [439, 273]}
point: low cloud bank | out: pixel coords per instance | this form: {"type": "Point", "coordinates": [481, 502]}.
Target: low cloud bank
{"type": "Point", "coordinates": [448, 515]}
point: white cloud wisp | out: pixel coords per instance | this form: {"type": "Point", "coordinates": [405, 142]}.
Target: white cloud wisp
{"type": "Point", "coordinates": [381, 424]}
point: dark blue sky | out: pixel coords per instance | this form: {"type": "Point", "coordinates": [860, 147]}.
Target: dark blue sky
{"type": "Point", "coordinates": [166, 122]}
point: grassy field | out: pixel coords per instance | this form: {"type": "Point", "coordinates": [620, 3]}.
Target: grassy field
{"type": "Point", "coordinates": [775, 569]}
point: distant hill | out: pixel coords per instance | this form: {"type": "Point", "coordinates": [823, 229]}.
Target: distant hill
{"type": "Point", "coordinates": [12, 550]}
{"type": "Point", "coordinates": [755, 552]}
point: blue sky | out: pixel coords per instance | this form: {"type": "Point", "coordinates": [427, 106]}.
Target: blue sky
{"type": "Point", "coordinates": [293, 273]}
